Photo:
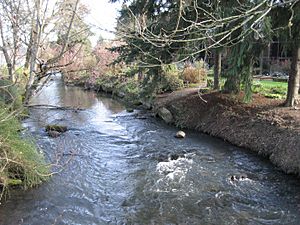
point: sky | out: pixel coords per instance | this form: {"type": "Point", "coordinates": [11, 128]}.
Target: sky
{"type": "Point", "coordinates": [103, 17]}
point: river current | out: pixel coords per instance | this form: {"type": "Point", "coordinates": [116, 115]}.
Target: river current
{"type": "Point", "coordinates": [127, 168]}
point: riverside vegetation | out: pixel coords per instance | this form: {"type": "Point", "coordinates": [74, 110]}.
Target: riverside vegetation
{"type": "Point", "coordinates": [21, 163]}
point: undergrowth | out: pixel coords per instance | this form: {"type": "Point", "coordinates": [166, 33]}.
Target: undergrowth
{"type": "Point", "coordinates": [20, 162]}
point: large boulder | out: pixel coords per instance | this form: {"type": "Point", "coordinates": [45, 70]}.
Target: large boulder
{"type": "Point", "coordinates": [165, 114]}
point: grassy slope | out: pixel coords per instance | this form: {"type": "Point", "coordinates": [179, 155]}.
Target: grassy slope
{"type": "Point", "coordinates": [20, 162]}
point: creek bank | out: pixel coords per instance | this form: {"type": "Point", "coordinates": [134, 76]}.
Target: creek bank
{"type": "Point", "coordinates": [262, 126]}
{"type": "Point", "coordinates": [21, 164]}
{"type": "Point", "coordinates": [126, 92]}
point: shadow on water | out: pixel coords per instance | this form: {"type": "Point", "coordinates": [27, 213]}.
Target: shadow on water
{"type": "Point", "coordinates": [124, 170]}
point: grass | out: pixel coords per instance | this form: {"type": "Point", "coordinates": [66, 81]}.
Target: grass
{"type": "Point", "coordinates": [270, 89]}
{"type": "Point", "coordinates": [20, 162]}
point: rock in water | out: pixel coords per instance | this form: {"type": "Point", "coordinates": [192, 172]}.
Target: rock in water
{"type": "Point", "coordinates": [58, 128]}
{"type": "Point", "coordinates": [130, 110]}
{"type": "Point", "coordinates": [238, 177]}
{"type": "Point", "coordinates": [53, 133]}
{"type": "Point", "coordinates": [180, 134]}
{"type": "Point", "coordinates": [165, 114]}
{"type": "Point", "coordinates": [55, 130]}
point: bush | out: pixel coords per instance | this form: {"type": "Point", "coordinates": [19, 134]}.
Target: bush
{"type": "Point", "coordinates": [9, 94]}
{"type": "Point", "coordinates": [195, 74]}
{"type": "Point", "coordinates": [170, 80]}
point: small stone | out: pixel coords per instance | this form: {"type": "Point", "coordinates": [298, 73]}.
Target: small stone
{"type": "Point", "coordinates": [174, 157]}
{"type": "Point", "coordinates": [130, 110]}
{"type": "Point", "coordinates": [53, 133]}
{"type": "Point", "coordinates": [239, 177]}
{"type": "Point", "coordinates": [58, 128]}
{"type": "Point", "coordinates": [180, 134]}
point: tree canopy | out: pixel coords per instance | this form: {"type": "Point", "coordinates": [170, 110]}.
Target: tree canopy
{"type": "Point", "coordinates": [161, 32]}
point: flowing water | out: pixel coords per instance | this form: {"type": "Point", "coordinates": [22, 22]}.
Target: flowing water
{"type": "Point", "coordinates": [127, 168]}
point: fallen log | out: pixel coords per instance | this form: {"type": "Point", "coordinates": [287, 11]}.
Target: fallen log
{"type": "Point", "coordinates": [54, 107]}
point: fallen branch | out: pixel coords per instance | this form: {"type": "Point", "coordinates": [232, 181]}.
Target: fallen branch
{"type": "Point", "coordinates": [54, 107]}
{"type": "Point", "coordinates": [200, 95]}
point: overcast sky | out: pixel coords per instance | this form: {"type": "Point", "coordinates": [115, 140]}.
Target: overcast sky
{"type": "Point", "coordinates": [103, 16]}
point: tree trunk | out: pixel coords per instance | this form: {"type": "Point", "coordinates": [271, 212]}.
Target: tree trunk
{"type": "Point", "coordinates": [261, 62]}
{"type": "Point", "coordinates": [33, 51]}
{"type": "Point", "coordinates": [248, 82]}
{"type": "Point", "coordinates": [217, 69]}
{"type": "Point", "coordinates": [294, 79]}
{"type": "Point", "coordinates": [28, 52]}
{"type": "Point", "coordinates": [4, 49]}
{"type": "Point", "coordinates": [9, 65]}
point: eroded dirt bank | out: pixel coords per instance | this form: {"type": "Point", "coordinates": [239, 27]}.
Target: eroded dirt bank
{"type": "Point", "coordinates": [262, 126]}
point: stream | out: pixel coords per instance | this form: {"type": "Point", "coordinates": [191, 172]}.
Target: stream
{"type": "Point", "coordinates": [127, 168]}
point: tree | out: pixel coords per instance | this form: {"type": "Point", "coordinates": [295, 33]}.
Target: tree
{"type": "Point", "coordinates": [38, 27]}
{"type": "Point", "coordinates": [27, 29]}
{"type": "Point", "coordinates": [294, 37]}
{"type": "Point", "coordinates": [217, 68]}
{"type": "Point", "coordinates": [286, 23]}
{"type": "Point", "coordinates": [293, 87]}
{"type": "Point", "coordinates": [161, 32]}
{"type": "Point", "coordinates": [179, 30]}
{"type": "Point", "coordinates": [13, 19]}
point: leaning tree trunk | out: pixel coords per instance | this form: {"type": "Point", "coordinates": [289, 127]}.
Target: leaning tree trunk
{"type": "Point", "coordinates": [33, 51]}
{"type": "Point", "coordinates": [28, 51]}
{"type": "Point", "coordinates": [217, 69]}
{"type": "Point", "coordinates": [294, 79]}
{"type": "Point", "coordinates": [4, 48]}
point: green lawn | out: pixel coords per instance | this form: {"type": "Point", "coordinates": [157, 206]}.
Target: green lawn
{"type": "Point", "coordinates": [269, 88]}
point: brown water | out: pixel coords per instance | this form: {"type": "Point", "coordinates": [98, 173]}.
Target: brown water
{"type": "Point", "coordinates": [120, 172]}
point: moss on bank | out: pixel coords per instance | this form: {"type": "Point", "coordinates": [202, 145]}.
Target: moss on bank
{"type": "Point", "coordinates": [20, 162]}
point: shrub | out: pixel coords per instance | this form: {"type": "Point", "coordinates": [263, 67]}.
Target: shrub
{"type": "Point", "coordinates": [170, 80]}
{"type": "Point", "coordinates": [195, 74]}
{"type": "Point", "coordinates": [9, 94]}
